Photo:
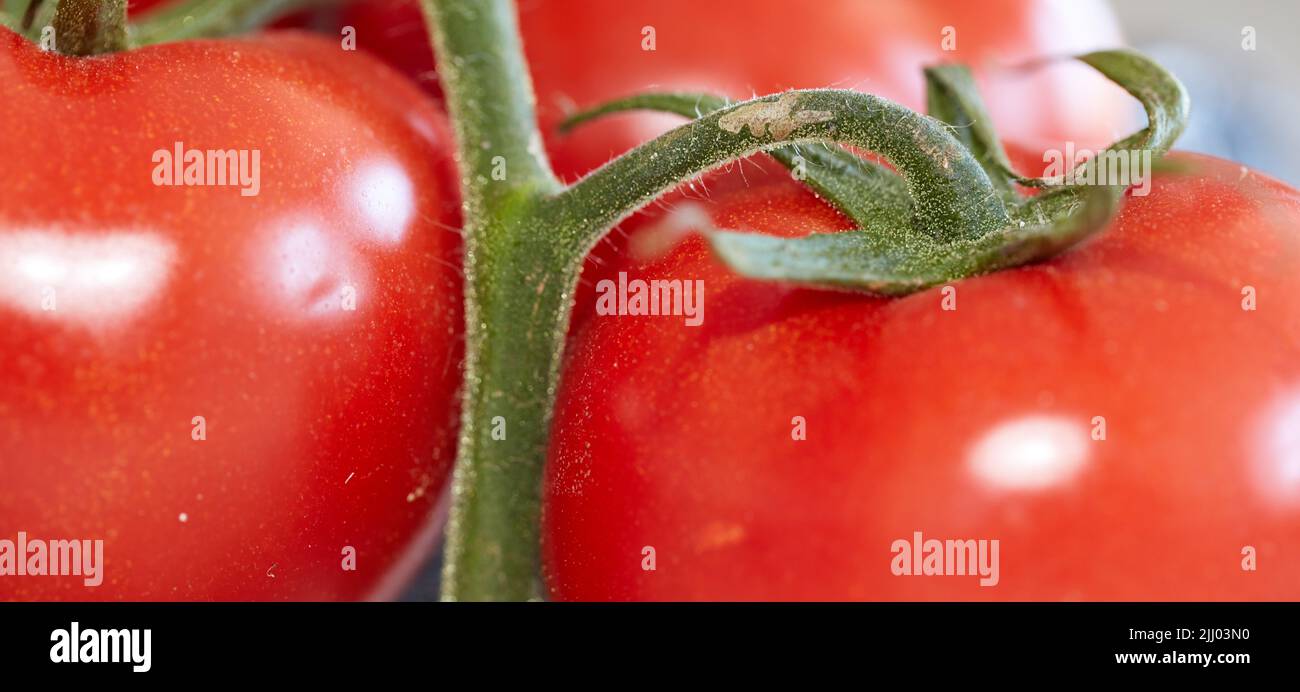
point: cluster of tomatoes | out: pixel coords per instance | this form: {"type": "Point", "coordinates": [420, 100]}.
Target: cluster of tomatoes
{"type": "Point", "coordinates": [131, 314]}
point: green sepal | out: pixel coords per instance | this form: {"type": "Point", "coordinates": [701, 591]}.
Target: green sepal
{"type": "Point", "coordinates": [1163, 98]}
{"type": "Point", "coordinates": [951, 96]}
{"type": "Point", "coordinates": [894, 262]}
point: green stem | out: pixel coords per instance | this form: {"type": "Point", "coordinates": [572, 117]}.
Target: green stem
{"type": "Point", "coordinates": [490, 97]}
{"type": "Point", "coordinates": [518, 289]}
{"type": "Point", "coordinates": [518, 301]}
{"type": "Point", "coordinates": [868, 192]}
{"type": "Point", "coordinates": [90, 27]}
{"type": "Point", "coordinates": [952, 196]}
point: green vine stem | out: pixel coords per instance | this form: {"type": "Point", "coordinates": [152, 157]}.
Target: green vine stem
{"type": "Point", "coordinates": [518, 288]}
{"type": "Point", "coordinates": [862, 189]}
{"type": "Point", "coordinates": [490, 97]}
{"type": "Point", "coordinates": [952, 196]}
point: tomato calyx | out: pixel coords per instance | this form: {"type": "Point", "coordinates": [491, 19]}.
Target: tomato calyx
{"type": "Point", "coordinates": [893, 252]}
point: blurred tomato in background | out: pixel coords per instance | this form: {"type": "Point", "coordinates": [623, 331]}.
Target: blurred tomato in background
{"type": "Point", "coordinates": [581, 54]}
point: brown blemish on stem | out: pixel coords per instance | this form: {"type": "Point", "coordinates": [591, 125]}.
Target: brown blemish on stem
{"type": "Point", "coordinates": [774, 117]}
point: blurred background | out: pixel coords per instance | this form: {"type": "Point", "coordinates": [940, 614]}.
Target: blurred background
{"type": "Point", "coordinates": [1245, 102]}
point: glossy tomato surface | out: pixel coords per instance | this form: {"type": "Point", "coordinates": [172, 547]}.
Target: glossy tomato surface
{"type": "Point", "coordinates": [231, 391]}
{"type": "Point", "coordinates": [582, 53]}
{"type": "Point", "coordinates": [1115, 418]}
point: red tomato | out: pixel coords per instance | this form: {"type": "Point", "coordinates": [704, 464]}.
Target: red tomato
{"type": "Point", "coordinates": [313, 326]}
{"type": "Point", "coordinates": [585, 53]}
{"type": "Point", "coordinates": [980, 423]}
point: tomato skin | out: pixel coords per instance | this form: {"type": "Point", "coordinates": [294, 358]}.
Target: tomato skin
{"type": "Point", "coordinates": [680, 438]}
{"type": "Point", "coordinates": [326, 426]}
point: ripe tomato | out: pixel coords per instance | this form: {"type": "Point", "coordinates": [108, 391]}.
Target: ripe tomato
{"type": "Point", "coordinates": [230, 391]}
{"type": "Point", "coordinates": [1115, 417]}
{"type": "Point", "coordinates": [582, 54]}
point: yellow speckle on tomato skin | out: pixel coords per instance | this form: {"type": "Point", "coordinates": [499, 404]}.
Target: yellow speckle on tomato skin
{"type": "Point", "coordinates": [719, 534]}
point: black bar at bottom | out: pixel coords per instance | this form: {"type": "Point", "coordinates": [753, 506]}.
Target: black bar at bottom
{"type": "Point", "coordinates": [195, 640]}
